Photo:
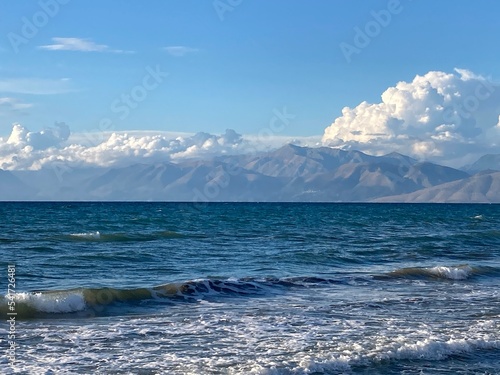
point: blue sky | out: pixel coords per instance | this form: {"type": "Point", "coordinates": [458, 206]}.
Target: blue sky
{"type": "Point", "coordinates": [231, 67]}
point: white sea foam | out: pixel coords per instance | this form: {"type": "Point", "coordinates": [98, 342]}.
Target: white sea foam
{"type": "Point", "coordinates": [420, 350]}
{"type": "Point", "coordinates": [436, 350]}
{"type": "Point", "coordinates": [238, 343]}
{"type": "Point", "coordinates": [452, 273]}
{"type": "Point", "coordinates": [54, 302]}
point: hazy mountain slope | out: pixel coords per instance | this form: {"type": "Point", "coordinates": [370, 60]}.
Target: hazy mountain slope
{"type": "Point", "coordinates": [356, 182]}
{"type": "Point", "coordinates": [135, 182]}
{"type": "Point", "coordinates": [487, 162]}
{"type": "Point", "coordinates": [12, 188]}
{"type": "Point", "coordinates": [60, 182]}
{"type": "Point", "coordinates": [365, 181]}
{"type": "Point", "coordinates": [479, 188]}
{"type": "Point", "coordinates": [429, 174]}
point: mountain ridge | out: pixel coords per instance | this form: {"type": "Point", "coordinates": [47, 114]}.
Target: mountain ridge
{"type": "Point", "coordinates": [290, 173]}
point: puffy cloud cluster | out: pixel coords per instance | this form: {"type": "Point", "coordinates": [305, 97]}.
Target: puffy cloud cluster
{"type": "Point", "coordinates": [34, 150]}
{"type": "Point", "coordinates": [22, 137]}
{"type": "Point", "coordinates": [123, 148]}
{"type": "Point", "coordinates": [23, 146]}
{"type": "Point", "coordinates": [446, 117]}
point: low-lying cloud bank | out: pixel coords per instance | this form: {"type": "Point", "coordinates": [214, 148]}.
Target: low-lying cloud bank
{"type": "Point", "coordinates": [26, 150]}
{"type": "Point", "coordinates": [450, 118]}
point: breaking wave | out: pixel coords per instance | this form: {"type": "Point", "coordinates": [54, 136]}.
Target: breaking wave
{"type": "Point", "coordinates": [460, 272]}
{"type": "Point", "coordinates": [92, 301]}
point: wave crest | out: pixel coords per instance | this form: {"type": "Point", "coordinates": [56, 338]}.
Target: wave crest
{"type": "Point", "coordinates": [461, 272]}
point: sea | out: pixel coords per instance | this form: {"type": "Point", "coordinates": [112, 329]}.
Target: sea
{"type": "Point", "coordinates": [249, 288]}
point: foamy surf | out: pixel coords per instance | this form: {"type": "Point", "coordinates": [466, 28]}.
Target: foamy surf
{"type": "Point", "coordinates": [452, 273]}
{"type": "Point", "coordinates": [30, 305]}
{"type": "Point", "coordinates": [422, 350]}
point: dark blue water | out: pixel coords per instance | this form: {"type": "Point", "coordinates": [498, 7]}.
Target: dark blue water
{"type": "Point", "coordinates": [172, 288]}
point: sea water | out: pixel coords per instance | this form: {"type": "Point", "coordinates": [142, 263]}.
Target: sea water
{"type": "Point", "coordinates": [249, 288]}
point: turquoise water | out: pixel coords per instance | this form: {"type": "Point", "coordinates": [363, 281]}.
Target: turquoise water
{"type": "Point", "coordinates": [172, 288]}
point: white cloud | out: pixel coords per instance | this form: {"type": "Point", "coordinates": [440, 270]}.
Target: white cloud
{"type": "Point", "coordinates": [36, 86]}
{"type": "Point", "coordinates": [93, 138]}
{"type": "Point", "coordinates": [78, 44]}
{"type": "Point", "coordinates": [438, 116]}
{"type": "Point", "coordinates": [50, 137]}
{"type": "Point", "coordinates": [34, 150]}
{"type": "Point", "coordinates": [179, 51]}
{"type": "Point", "coordinates": [22, 149]}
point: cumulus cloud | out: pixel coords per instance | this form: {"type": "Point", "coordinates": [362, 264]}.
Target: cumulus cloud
{"type": "Point", "coordinates": [27, 150]}
{"type": "Point", "coordinates": [50, 137]}
{"type": "Point", "coordinates": [208, 144]}
{"type": "Point", "coordinates": [56, 147]}
{"type": "Point", "coordinates": [23, 148]}
{"type": "Point", "coordinates": [122, 148]}
{"type": "Point", "coordinates": [446, 117]}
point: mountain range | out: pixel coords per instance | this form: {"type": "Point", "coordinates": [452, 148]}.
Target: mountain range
{"type": "Point", "coordinates": [291, 173]}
